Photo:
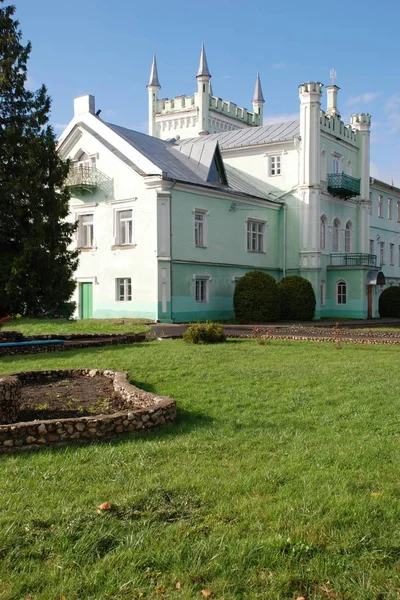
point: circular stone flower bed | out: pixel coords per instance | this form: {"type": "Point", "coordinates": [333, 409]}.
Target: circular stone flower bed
{"type": "Point", "coordinates": [52, 407]}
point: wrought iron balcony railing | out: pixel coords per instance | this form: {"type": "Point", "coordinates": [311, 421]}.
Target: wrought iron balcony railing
{"type": "Point", "coordinates": [345, 186]}
{"type": "Point", "coordinates": [85, 179]}
{"type": "Point", "coordinates": [352, 260]}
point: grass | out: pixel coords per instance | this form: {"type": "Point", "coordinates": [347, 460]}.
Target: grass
{"type": "Point", "coordinates": [279, 480]}
{"type": "Point", "coordinates": [65, 326]}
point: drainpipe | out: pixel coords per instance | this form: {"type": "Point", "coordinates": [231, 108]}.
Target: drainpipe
{"type": "Point", "coordinates": [284, 239]}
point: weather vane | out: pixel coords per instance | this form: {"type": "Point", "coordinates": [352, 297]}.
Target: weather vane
{"type": "Point", "coordinates": [333, 75]}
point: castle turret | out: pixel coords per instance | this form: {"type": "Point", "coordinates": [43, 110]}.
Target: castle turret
{"type": "Point", "coordinates": [258, 100]}
{"type": "Point", "coordinates": [362, 124]}
{"type": "Point", "coordinates": [153, 88]}
{"type": "Point", "coordinates": [203, 92]}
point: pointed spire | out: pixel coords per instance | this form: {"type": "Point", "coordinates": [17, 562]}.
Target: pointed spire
{"type": "Point", "coordinates": [203, 66]}
{"type": "Point", "coordinates": [258, 94]}
{"type": "Point", "coordinates": [153, 81]}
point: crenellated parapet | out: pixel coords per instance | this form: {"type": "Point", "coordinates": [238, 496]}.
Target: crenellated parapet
{"type": "Point", "coordinates": [335, 126]}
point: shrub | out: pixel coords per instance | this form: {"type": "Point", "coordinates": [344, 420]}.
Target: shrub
{"type": "Point", "coordinates": [204, 333]}
{"type": "Point", "coordinates": [389, 302]}
{"type": "Point", "coordinates": [256, 298]}
{"type": "Point", "coordinates": [297, 298]}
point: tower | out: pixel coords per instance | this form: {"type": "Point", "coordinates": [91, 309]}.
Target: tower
{"type": "Point", "coordinates": [362, 124]}
{"type": "Point", "coordinates": [153, 88]}
{"type": "Point", "coordinates": [310, 183]}
{"type": "Point", "coordinates": [203, 93]}
{"type": "Point", "coordinates": [258, 100]}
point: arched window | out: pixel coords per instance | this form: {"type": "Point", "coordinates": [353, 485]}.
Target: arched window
{"type": "Point", "coordinates": [347, 236]}
{"type": "Point", "coordinates": [335, 235]}
{"type": "Point", "coordinates": [341, 292]}
{"type": "Point", "coordinates": [323, 293]}
{"type": "Point", "coordinates": [322, 233]}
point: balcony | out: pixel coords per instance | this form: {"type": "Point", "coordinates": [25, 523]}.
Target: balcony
{"type": "Point", "coordinates": [85, 179]}
{"type": "Point", "coordinates": [352, 260]}
{"type": "Point", "coordinates": [342, 185]}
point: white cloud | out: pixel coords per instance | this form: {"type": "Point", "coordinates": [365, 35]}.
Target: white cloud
{"type": "Point", "coordinates": [363, 98]}
{"type": "Point", "coordinates": [393, 104]}
{"type": "Point", "coordinates": [270, 119]}
{"type": "Point", "coordinates": [279, 65]}
{"type": "Point", "coordinates": [60, 126]}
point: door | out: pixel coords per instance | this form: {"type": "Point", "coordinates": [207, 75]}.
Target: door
{"type": "Point", "coordinates": [86, 300]}
{"type": "Point", "coordinates": [370, 301]}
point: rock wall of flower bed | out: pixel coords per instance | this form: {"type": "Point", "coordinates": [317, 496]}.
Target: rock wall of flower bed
{"type": "Point", "coordinates": [144, 411]}
{"type": "Point", "coordinates": [10, 396]}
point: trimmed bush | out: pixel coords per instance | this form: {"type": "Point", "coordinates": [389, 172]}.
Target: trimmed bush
{"type": "Point", "coordinates": [256, 298]}
{"type": "Point", "coordinates": [297, 298]}
{"type": "Point", "coordinates": [204, 333]}
{"type": "Point", "coordinates": [389, 302]}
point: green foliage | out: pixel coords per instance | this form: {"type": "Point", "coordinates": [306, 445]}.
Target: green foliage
{"type": "Point", "coordinates": [36, 266]}
{"type": "Point", "coordinates": [389, 302]}
{"type": "Point", "coordinates": [297, 298]}
{"type": "Point", "coordinates": [204, 333]}
{"type": "Point", "coordinates": [256, 298]}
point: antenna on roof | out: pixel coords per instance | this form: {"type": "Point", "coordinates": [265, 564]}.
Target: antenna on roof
{"type": "Point", "coordinates": [333, 76]}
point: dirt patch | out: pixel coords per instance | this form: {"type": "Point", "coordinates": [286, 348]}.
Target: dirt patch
{"type": "Point", "coordinates": [69, 397]}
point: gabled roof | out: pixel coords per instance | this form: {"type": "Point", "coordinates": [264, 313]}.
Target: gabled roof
{"type": "Point", "coordinates": [189, 165]}
{"type": "Point", "coordinates": [252, 136]}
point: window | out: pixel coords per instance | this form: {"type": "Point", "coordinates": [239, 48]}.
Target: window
{"type": "Point", "coordinates": [275, 165]}
{"type": "Point", "coordinates": [323, 293]}
{"type": "Point", "coordinates": [124, 289]}
{"type": "Point", "coordinates": [201, 289]}
{"type": "Point", "coordinates": [398, 211]}
{"type": "Point", "coordinates": [347, 237]}
{"type": "Point", "coordinates": [335, 235]}
{"type": "Point", "coordinates": [399, 256]}
{"type": "Point", "coordinates": [341, 292]}
{"type": "Point", "coordinates": [391, 254]}
{"type": "Point", "coordinates": [371, 246]}
{"type": "Point", "coordinates": [200, 228]}
{"type": "Point", "coordinates": [255, 236]}
{"type": "Point", "coordinates": [380, 206]}
{"type": "Point", "coordinates": [382, 252]}
{"type": "Point", "coordinates": [124, 227]}
{"type": "Point", "coordinates": [322, 232]}
{"type": "Point", "coordinates": [85, 231]}
{"type": "Point", "coordinates": [84, 160]}
{"type": "Point", "coordinates": [336, 164]}
{"type": "Point", "coordinates": [390, 209]}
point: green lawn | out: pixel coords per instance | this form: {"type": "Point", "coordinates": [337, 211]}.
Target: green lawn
{"type": "Point", "coordinates": [281, 479]}
{"type": "Point", "coordinates": [65, 326]}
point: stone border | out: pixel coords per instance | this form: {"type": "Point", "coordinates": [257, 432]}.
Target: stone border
{"type": "Point", "coordinates": [144, 411]}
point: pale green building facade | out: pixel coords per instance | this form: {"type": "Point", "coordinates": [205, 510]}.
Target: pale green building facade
{"type": "Point", "coordinates": [168, 222]}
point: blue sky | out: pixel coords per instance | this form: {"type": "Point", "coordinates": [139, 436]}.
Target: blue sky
{"type": "Point", "coordinates": [105, 48]}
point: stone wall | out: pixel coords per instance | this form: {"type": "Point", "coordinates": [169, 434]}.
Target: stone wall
{"type": "Point", "coordinates": [10, 396]}
{"type": "Point", "coordinates": [143, 411]}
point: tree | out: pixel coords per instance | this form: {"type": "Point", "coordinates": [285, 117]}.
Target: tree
{"type": "Point", "coordinates": [256, 298]}
{"type": "Point", "coordinates": [297, 298]}
{"type": "Point", "coordinates": [36, 266]}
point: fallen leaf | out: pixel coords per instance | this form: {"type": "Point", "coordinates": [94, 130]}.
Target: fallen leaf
{"type": "Point", "coordinates": [160, 590]}
{"type": "Point", "coordinates": [104, 506]}
{"type": "Point", "coordinates": [63, 598]}
{"type": "Point", "coordinates": [300, 598]}
{"type": "Point", "coordinates": [206, 593]}
{"type": "Point", "coordinates": [376, 494]}
{"type": "Point", "coordinates": [178, 585]}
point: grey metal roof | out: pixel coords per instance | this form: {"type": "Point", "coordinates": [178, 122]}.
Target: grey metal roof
{"type": "Point", "coordinates": [177, 164]}
{"type": "Point", "coordinates": [203, 66]}
{"type": "Point", "coordinates": [253, 136]}
{"type": "Point", "coordinates": [258, 94]}
{"type": "Point", "coordinates": [154, 81]}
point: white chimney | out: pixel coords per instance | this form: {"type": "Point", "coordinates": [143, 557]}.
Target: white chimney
{"type": "Point", "coordinates": [84, 104]}
{"type": "Point", "coordinates": [331, 108]}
